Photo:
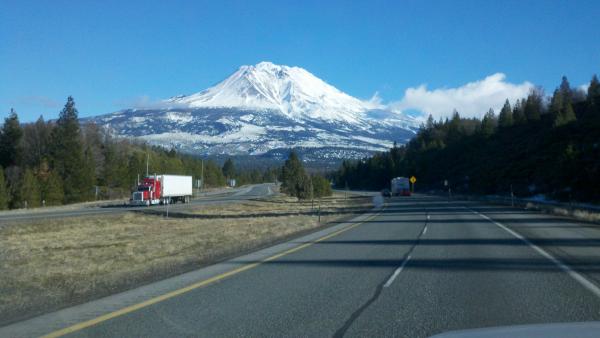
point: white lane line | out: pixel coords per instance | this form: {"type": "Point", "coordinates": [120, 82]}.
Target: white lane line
{"type": "Point", "coordinates": [396, 273]}
{"type": "Point", "coordinates": [574, 274]}
{"type": "Point", "coordinates": [428, 217]}
{"type": "Point", "coordinates": [398, 270]}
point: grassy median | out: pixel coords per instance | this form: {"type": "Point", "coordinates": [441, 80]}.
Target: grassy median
{"type": "Point", "coordinates": [46, 265]}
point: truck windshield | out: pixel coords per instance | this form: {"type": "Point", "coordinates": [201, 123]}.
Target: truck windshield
{"type": "Point", "coordinates": [143, 188]}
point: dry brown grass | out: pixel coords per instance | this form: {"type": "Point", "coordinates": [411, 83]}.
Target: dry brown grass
{"type": "Point", "coordinates": [45, 265]}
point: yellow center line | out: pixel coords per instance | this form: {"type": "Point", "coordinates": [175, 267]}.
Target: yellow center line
{"type": "Point", "coordinates": [158, 299]}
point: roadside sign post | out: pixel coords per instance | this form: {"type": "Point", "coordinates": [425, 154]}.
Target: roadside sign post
{"type": "Point", "coordinates": [413, 180]}
{"type": "Point", "coordinates": [346, 192]}
{"type": "Point", "coordinates": [319, 210]}
{"type": "Point", "coordinates": [512, 197]}
{"type": "Point", "coordinates": [312, 197]}
{"type": "Point", "coordinates": [449, 193]}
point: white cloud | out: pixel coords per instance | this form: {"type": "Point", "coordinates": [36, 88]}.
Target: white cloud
{"type": "Point", "coordinates": [584, 87]}
{"type": "Point", "coordinates": [145, 102]}
{"type": "Point", "coordinates": [375, 100]}
{"type": "Point", "coordinates": [470, 100]}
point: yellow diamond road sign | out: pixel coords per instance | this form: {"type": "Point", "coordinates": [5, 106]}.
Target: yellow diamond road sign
{"type": "Point", "coordinates": [413, 180]}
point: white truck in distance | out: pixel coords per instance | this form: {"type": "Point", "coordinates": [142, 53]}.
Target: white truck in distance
{"type": "Point", "coordinates": [400, 186]}
{"type": "Point", "coordinates": [163, 189]}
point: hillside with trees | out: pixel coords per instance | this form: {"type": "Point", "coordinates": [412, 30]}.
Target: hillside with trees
{"type": "Point", "coordinates": [532, 146]}
{"type": "Point", "coordinates": [63, 161]}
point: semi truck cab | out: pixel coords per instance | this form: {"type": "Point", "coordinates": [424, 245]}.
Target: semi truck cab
{"type": "Point", "coordinates": [148, 192]}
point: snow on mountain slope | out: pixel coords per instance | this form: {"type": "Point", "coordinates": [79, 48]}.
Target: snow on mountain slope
{"type": "Point", "coordinates": [262, 108]}
{"type": "Point", "coordinates": [292, 91]}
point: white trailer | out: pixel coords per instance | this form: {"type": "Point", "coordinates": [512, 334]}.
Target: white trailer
{"type": "Point", "coordinates": [176, 188]}
{"type": "Point", "coordinates": [400, 186]}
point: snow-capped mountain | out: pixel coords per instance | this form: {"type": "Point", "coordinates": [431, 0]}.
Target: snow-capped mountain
{"type": "Point", "coordinates": [262, 109]}
{"type": "Point", "coordinates": [292, 91]}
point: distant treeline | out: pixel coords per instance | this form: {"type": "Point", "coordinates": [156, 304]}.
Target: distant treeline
{"type": "Point", "coordinates": [532, 147]}
{"type": "Point", "coordinates": [62, 162]}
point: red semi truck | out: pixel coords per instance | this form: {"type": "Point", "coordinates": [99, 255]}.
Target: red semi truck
{"type": "Point", "coordinates": [162, 189]}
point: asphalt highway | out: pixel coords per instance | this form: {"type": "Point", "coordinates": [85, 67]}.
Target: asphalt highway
{"type": "Point", "coordinates": [215, 197]}
{"type": "Point", "coordinates": [417, 267]}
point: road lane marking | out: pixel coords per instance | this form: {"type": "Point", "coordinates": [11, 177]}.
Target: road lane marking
{"type": "Point", "coordinates": [398, 270]}
{"type": "Point", "coordinates": [158, 299]}
{"type": "Point", "coordinates": [396, 273]}
{"type": "Point", "coordinates": [586, 283]}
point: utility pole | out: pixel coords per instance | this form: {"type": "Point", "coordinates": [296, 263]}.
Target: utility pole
{"type": "Point", "coordinates": [201, 175]}
{"type": "Point", "coordinates": [147, 160]}
{"type": "Point", "coordinates": [512, 197]}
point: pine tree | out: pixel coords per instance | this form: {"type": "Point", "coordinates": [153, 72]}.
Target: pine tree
{"type": "Point", "coordinates": [293, 176]}
{"type": "Point", "coordinates": [430, 122]}
{"type": "Point", "coordinates": [505, 119]}
{"type": "Point", "coordinates": [593, 97]}
{"type": "Point", "coordinates": [10, 141]}
{"type": "Point", "coordinates": [36, 138]}
{"type": "Point", "coordinates": [565, 90]}
{"type": "Point", "coordinates": [533, 105]}
{"type": "Point", "coordinates": [561, 109]}
{"type": "Point", "coordinates": [4, 197]}
{"type": "Point", "coordinates": [569, 113]}
{"type": "Point", "coordinates": [488, 123]}
{"type": "Point", "coordinates": [594, 88]}
{"type": "Point", "coordinates": [454, 131]}
{"type": "Point", "coordinates": [89, 174]}
{"type": "Point", "coordinates": [52, 191]}
{"type": "Point", "coordinates": [519, 112]}
{"type": "Point", "coordinates": [321, 186]}
{"type": "Point", "coordinates": [30, 190]}
{"type": "Point", "coordinates": [13, 176]}
{"type": "Point", "coordinates": [67, 154]}
{"type": "Point", "coordinates": [556, 107]}
{"type": "Point", "coordinates": [228, 169]}
{"type": "Point", "coordinates": [304, 188]}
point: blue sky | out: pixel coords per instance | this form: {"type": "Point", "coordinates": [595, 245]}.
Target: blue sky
{"type": "Point", "coordinates": [108, 54]}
